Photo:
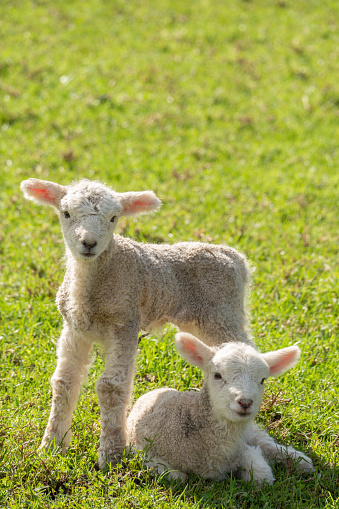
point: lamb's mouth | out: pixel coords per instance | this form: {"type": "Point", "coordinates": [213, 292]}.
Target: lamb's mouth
{"type": "Point", "coordinates": [243, 414]}
{"type": "Point", "coordinates": [88, 255]}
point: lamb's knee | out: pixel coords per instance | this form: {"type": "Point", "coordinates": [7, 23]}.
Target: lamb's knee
{"type": "Point", "coordinates": [110, 392]}
{"type": "Point", "coordinates": [64, 390]}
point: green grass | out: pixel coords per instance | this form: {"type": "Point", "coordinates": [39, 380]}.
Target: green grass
{"type": "Point", "coordinates": [229, 112]}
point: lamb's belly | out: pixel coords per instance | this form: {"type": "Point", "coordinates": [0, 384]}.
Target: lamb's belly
{"type": "Point", "coordinates": [149, 325]}
{"type": "Point", "coordinates": [216, 465]}
{"type": "Point", "coordinates": [205, 452]}
{"type": "Point", "coordinates": [155, 318]}
{"type": "Point", "coordinates": [199, 455]}
{"type": "Point", "coordinates": [163, 313]}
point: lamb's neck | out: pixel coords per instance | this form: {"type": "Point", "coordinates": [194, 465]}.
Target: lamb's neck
{"type": "Point", "coordinates": [81, 276]}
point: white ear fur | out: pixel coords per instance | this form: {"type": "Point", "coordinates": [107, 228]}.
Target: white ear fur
{"type": "Point", "coordinates": [282, 360]}
{"type": "Point", "coordinates": [43, 192]}
{"type": "Point", "coordinates": [134, 203]}
{"type": "Point", "coordinates": [193, 350]}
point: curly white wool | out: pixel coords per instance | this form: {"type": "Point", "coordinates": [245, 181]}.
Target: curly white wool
{"type": "Point", "coordinates": [114, 287]}
{"type": "Point", "coordinates": [213, 432]}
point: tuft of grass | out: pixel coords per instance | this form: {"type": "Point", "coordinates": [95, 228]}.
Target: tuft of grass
{"type": "Point", "coordinates": [229, 112]}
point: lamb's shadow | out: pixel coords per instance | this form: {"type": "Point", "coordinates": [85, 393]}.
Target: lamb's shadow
{"type": "Point", "coordinates": [290, 488]}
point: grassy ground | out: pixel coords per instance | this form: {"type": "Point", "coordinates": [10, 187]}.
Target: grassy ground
{"type": "Point", "coordinates": [229, 112]}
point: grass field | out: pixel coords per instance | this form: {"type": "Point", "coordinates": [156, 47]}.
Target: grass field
{"type": "Point", "coordinates": [229, 111]}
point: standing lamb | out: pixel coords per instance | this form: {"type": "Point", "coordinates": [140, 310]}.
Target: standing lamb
{"type": "Point", "coordinates": [212, 432]}
{"type": "Point", "coordinates": [114, 287]}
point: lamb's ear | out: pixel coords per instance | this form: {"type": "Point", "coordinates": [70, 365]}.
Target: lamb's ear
{"type": "Point", "coordinates": [193, 350]}
{"type": "Point", "coordinates": [134, 203]}
{"type": "Point", "coordinates": [43, 192]}
{"type": "Point", "coordinates": [282, 360]}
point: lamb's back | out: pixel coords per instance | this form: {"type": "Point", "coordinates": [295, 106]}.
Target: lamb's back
{"type": "Point", "coordinates": [185, 282]}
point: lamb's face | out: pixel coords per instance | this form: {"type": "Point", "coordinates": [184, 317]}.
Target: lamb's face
{"type": "Point", "coordinates": [236, 379]}
{"type": "Point", "coordinates": [235, 374]}
{"type": "Point", "coordinates": [88, 215]}
{"type": "Point", "coordinates": [88, 211]}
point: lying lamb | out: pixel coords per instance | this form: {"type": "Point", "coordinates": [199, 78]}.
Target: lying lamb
{"type": "Point", "coordinates": [212, 432]}
{"type": "Point", "coordinates": [114, 287]}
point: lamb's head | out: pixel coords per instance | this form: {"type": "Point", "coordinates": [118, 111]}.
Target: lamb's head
{"type": "Point", "coordinates": [235, 374]}
{"type": "Point", "coordinates": [88, 211]}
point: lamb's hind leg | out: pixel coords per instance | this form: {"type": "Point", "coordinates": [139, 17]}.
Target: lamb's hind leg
{"type": "Point", "coordinates": [72, 367]}
{"type": "Point", "coordinates": [114, 390]}
{"type": "Point", "coordinates": [277, 452]}
{"type": "Point", "coordinates": [216, 328]}
{"type": "Point", "coordinates": [162, 466]}
{"type": "Point", "coordinates": [220, 311]}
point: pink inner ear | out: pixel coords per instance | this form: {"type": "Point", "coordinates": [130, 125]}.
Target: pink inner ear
{"type": "Point", "coordinates": [191, 350]}
{"type": "Point", "coordinates": [137, 206]}
{"type": "Point", "coordinates": [43, 193]}
{"type": "Point", "coordinates": [283, 363]}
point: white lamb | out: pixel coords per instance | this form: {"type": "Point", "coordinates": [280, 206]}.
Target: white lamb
{"type": "Point", "coordinates": [212, 432]}
{"type": "Point", "coordinates": [114, 287]}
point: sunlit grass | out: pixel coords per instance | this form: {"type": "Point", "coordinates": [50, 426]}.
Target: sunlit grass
{"type": "Point", "coordinates": [229, 112]}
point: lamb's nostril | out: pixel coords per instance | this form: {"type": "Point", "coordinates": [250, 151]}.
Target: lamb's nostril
{"type": "Point", "coordinates": [245, 403]}
{"type": "Point", "coordinates": [89, 245]}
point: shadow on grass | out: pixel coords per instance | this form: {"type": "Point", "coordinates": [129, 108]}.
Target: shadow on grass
{"type": "Point", "coordinates": [291, 489]}
{"type": "Point", "coordinates": [55, 479]}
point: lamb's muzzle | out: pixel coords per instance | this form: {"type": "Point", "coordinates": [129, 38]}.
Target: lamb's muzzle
{"type": "Point", "coordinates": [88, 247]}
{"type": "Point", "coordinates": [245, 403]}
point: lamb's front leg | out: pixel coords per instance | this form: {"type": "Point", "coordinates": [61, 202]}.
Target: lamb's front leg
{"type": "Point", "coordinates": [114, 390]}
{"type": "Point", "coordinates": [72, 368]}
{"type": "Point", "coordinates": [277, 452]}
{"type": "Point", "coordinates": [254, 466]}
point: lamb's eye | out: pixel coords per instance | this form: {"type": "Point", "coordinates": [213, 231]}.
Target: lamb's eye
{"type": "Point", "coordinates": [113, 219]}
{"type": "Point", "coordinates": [262, 381]}
{"type": "Point", "coordinates": [67, 214]}
{"type": "Point", "coordinates": [217, 376]}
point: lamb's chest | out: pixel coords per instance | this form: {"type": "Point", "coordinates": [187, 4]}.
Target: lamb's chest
{"type": "Point", "coordinates": [97, 307]}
